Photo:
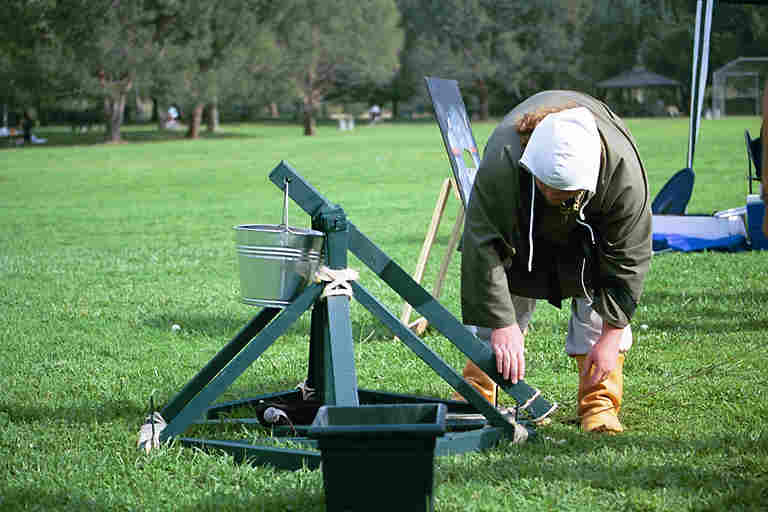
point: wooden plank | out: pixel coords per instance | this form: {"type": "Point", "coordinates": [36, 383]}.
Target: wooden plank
{"type": "Point", "coordinates": [280, 458]}
{"type": "Point", "coordinates": [458, 228]}
{"type": "Point", "coordinates": [429, 241]}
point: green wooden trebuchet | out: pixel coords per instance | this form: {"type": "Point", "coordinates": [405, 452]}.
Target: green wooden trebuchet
{"type": "Point", "coordinates": [472, 425]}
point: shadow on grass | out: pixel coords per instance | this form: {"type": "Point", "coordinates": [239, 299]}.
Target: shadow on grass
{"type": "Point", "coordinates": [665, 463]}
{"type": "Point", "coordinates": [715, 311]}
{"type": "Point", "coordinates": [214, 325]}
{"type": "Point", "coordinates": [227, 326]}
{"type": "Point", "coordinates": [303, 500]}
{"type": "Point", "coordinates": [38, 498]}
{"type": "Point", "coordinates": [56, 138]}
{"type": "Point", "coordinates": [80, 414]}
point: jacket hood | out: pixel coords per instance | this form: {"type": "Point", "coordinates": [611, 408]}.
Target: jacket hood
{"type": "Point", "coordinates": [564, 150]}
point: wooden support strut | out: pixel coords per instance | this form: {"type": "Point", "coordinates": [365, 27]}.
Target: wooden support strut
{"type": "Point", "coordinates": [449, 184]}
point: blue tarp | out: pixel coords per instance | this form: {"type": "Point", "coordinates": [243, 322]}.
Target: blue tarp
{"type": "Point", "coordinates": [684, 243]}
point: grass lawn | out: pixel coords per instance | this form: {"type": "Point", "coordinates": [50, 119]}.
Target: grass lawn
{"type": "Point", "coordinates": [104, 247]}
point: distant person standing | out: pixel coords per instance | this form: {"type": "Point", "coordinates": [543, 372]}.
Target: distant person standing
{"type": "Point", "coordinates": [26, 128]}
{"type": "Point", "coordinates": [375, 113]}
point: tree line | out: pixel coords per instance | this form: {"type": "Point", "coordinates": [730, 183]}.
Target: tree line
{"type": "Point", "coordinates": [201, 54]}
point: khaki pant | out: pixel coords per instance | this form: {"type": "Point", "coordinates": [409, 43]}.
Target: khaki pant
{"type": "Point", "coordinates": [584, 326]}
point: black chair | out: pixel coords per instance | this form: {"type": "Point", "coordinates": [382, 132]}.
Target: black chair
{"type": "Point", "coordinates": [754, 158]}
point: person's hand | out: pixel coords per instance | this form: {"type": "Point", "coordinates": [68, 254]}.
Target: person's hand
{"type": "Point", "coordinates": [603, 356]}
{"type": "Point", "coordinates": [508, 346]}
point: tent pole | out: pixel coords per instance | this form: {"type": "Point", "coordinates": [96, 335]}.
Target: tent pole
{"type": "Point", "coordinates": [694, 88]}
{"type": "Point", "coordinates": [699, 73]}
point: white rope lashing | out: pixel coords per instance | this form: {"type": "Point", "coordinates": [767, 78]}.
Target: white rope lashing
{"type": "Point", "coordinates": [337, 279]}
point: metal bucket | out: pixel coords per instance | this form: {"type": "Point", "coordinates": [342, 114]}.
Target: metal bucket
{"type": "Point", "coordinates": [276, 262]}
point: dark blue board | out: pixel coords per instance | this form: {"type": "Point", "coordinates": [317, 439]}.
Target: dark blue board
{"type": "Point", "coordinates": [673, 198]}
{"type": "Point", "coordinates": [457, 135]}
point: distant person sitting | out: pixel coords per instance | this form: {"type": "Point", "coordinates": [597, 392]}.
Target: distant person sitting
{"type": "Point", "coordinates": [375, 113]}
{"type": "Point", "coordinates": [173, 116]}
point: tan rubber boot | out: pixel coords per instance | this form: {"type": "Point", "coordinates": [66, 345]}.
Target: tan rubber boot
{"type": "Point", "coordinates": [599, 406]}
{"type": "Point", "coordinates": [480, 381]}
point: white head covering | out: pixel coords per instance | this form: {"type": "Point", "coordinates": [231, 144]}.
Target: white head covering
{"type": "Point", "coordinates": [564, 150]}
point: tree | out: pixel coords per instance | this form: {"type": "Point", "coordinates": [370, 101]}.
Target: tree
{"type": "Point", "coordinates": [107, 44]}
{"type": "Point", "coordinates": [211, 40]}
{"type": "Point", "coordinates": [504, 47]}
{"type": "Point", "coordinates": [324, 41]}
{"type": "Point", "coordinates": [28, 51]}
{"type": "Point", "coordinates": [261, 77]}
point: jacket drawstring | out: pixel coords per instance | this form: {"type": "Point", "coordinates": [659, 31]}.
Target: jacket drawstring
{"type": "Point", "coordinates": [580, 219]}
{"type": "Point", "coordinates": [530, 228]}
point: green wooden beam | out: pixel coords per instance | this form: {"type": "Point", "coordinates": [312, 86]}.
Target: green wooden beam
{"type": "Point", "coordinates": [441, 319]}
{"type": "Point", "coordinates": [280, 458]}
{"type": "Point", "coordinates": [195, 408]}
{"type": "Point", "coordinates": [443, 369]}
{"type": "Point", "coordinates": [455, 443]}
{"type": "Point", "coordinates": [312, 202]}
{"type": "Point", "coordinates": [223, 407]}
{"type": "Point", "coordinates": [219, 361]}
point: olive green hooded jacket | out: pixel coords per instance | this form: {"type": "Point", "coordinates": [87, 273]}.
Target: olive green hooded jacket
{"type": "Point", "coordinates": [495, 234]}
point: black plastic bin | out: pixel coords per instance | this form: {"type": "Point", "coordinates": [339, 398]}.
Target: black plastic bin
{"type": "Point", "coordinates": [379, 457]}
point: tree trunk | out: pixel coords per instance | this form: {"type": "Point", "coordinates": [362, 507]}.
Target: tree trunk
{"type": "Point", "coordinates": [310, 95]}
{"type": "Point", "coordinates": [273, 110]}
{"type": "Point", "coordinates": [482, 98]}
{"type": "Point", "coordinates": [193, 132]}
{"type": "Point", "coordinates": [115, 97]}
{"type": "Point", "coordinates": [310, 126]}
{"type": "Point", "coordinates": [107, 117]}
{"type": "Point", "coordinates": [395, 109]}
{"type": "Point", "coordinates": [114, 107]}
{"type": "Point", "coordinates": [212, 118]}
{"type": "Point", "coordinates": [161, 116]}
{"type": "Point", "coordinates": [115, 120]}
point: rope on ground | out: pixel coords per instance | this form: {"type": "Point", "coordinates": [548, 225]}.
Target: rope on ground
{"type": "Point", "coordinates": [149, 433]}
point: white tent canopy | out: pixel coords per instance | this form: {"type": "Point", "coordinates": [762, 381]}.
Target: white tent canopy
{"type": "Point", "coordinates": [701, 39]}
{"type": "Point", "coordinates": [741, 78]}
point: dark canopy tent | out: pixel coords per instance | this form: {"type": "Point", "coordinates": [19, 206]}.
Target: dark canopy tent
{"type": "Point", "coordinates": [637, 77]}
{"type": "Point", "coordinates": [635, 83]}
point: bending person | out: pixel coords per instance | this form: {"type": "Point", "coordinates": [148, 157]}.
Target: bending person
{"type": "Point", "coordinates": [559, 209]}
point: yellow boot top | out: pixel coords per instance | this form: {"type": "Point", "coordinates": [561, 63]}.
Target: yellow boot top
{"type": "Point", "coordinates": [599, 405]}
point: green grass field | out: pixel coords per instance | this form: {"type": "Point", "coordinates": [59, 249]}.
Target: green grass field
{"type": "Point", "coordinates": [104, 247]}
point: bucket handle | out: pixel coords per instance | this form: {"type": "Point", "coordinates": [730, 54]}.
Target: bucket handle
{"type": "Point", "coordinates": [286, 180]}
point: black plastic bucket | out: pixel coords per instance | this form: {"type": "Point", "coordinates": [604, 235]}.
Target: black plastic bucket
{"type": "Point", "coordinates": [379, 457]}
